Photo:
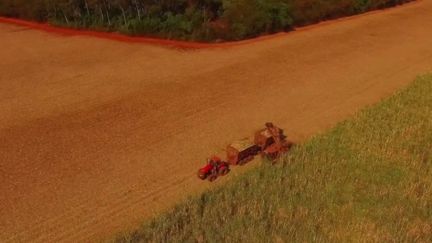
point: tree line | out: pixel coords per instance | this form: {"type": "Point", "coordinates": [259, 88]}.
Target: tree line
{"type": "Point", "coordinates": [202, 20]}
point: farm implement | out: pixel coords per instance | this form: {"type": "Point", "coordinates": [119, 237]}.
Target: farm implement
{"type": "Point", "coordinates": [269, 142]}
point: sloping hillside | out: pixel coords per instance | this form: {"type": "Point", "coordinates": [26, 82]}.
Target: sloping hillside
{"type": "Point", "coordinates": [97, 135]}
{"type": "Point", "coordinates": [367, 180]}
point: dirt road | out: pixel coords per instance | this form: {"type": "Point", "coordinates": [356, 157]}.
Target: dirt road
{"type": "Point", "coordinates": [96, 135]}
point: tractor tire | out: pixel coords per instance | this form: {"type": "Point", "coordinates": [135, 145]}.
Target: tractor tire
{"type": "Point", "coordinates": [270, 156]}
{"type": "Point", "coordinates": [202, 176]}
{"type": "Point", "coordinates": [212, 177]}
{"type": "Point", "coordinates": [246, 160]}
{"type": "Point", "coordinates": [224, 171]}
{"type": "Point", "coordinates": [274, 156]}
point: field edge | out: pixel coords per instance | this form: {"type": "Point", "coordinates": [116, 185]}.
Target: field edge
{"type": "Point", "coordinates": [174, 224]}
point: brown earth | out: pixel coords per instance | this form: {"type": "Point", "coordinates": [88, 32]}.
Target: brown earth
{"type": "Point", "coordinates": [97, 135]}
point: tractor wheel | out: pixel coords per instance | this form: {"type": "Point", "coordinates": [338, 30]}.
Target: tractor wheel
{"type": "Point", "coordinates": [202, 176]}
{"type": "Point", "coordinates": [246, 160]}
{"type": "Point", "coordinates": [274, 156]}
{"type": "Point", "coordinates": [270, 156]}
{"type": "Point", "coordinates": [224, 171]}
{"type": "Point", "coordinates": [212, 177]}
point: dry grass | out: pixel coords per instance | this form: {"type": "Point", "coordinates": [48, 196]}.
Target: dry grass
{"type": "Point", "coordinates": [367, 180]}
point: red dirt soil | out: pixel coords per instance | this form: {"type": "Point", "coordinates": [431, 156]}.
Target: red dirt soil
{"type": "Point", "coordinates": [97, 135]}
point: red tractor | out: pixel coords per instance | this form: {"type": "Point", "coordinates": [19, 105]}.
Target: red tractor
{"type": "Point", "coordinates": [215, 167]}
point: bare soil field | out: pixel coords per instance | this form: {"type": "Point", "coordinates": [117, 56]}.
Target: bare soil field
{"type": "Point", "coordinates": [97, 135]}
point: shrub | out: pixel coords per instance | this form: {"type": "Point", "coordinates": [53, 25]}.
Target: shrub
{"type": "Point", "coordinates": [188, 19]}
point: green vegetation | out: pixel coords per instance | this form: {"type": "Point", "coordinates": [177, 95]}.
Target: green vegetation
{"type": "Point", "coordinates": [204, 20]}
{"type": "Point", "coordinates": [367, 180]}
